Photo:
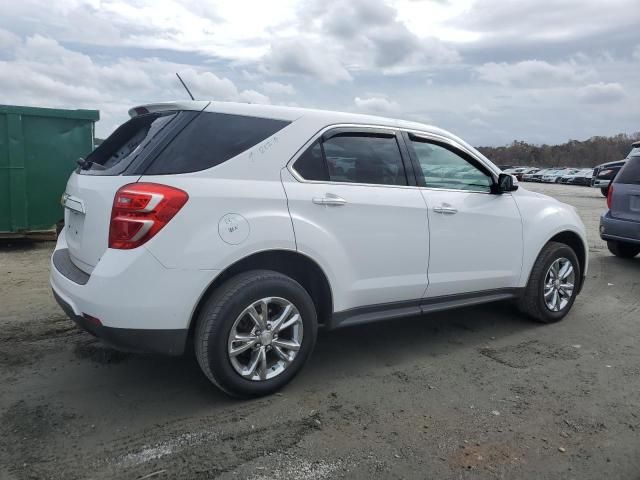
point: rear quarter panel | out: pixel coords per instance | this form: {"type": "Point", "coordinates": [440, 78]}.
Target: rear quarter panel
{"type": "Point", "coordinates": [224, 221]}
{"type": "Point", "coordinates": [247, 189]}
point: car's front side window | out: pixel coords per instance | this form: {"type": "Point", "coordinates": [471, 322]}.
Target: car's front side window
{"type": "Point", "coordinates": [442, 167]}
{"type": "Point", "coordinates": [354, 158]}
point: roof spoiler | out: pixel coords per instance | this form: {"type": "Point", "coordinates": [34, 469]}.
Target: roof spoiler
{"type": "Point", "coordinates": [197, 106]}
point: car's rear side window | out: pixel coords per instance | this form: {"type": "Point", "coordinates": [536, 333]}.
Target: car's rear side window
{"type": "Point", "coordinates": [630, 173]}
{"type": "Point", "coordinates": [354, 158]}
{"type": "Point", "coordinates": [310, 165]}
{"type": "Point", "coordinates": [211, 139]}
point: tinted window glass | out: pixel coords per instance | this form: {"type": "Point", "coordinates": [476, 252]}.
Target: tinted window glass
{"type": "Point", "coordinates": [442, 168]}
{"type": "Point", "coordinates": [126, 144]}
{"type": "Point", "coordinates": [310, 165]}
{"type": "Point", "coordinates": [211, 139]}
{"type": "Point", "coordinates": [630, 173]}
{"type": "Point", "coordinates": [364, 159]}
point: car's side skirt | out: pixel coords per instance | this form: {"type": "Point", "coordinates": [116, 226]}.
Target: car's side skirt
{"type": "Point", "coordinates": [389, 311]}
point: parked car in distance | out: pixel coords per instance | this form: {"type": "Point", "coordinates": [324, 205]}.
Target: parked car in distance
{"type": "Point", "coordinates": [552, 176]}
{"type": "Point", "coordinates": [529, 176]}
{"type": "Point", "coordinates": [604, 174]}
{"type": "Point", "coordinates": [518, 172]}
{"type": "Point", "coordinates": [620, 224]}
{"type": "Point", "coordinates": [240, 229]}
{"type": "Point", "coordinates": [568, 175]}
{"type": "Point", "coordinates": [583, 177]}
{"type": "Point", "coordinates": [537, 176]}
{"type": "Point", "coordinates": [526, 171]}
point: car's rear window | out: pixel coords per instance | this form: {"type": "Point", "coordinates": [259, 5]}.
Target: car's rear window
{"type": "Point", "coordinates": [128, 143]}
{"type": "Point", "coordinates": [211, 139]}
{"type": "Point", "coordinates": [630, 173]}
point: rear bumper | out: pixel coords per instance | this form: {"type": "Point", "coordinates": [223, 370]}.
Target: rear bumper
{"type": "Point", "coordinates": [600, 183]}
{"type": "Point", "coordinates": [619, 230]}
{"type": "Point", "coordinates": [141, 305]}
{"type": "Point", "coordinates": [169, 342]}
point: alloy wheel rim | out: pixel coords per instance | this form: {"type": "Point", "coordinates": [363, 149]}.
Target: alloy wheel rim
{"type": "Point", "coordinates": [559, 284]}
{"type": "Point", "coordinates": [265, 338]}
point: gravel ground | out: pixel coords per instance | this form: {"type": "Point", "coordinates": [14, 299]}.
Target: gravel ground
{"type": "Point", "coordinates": [473, 393]}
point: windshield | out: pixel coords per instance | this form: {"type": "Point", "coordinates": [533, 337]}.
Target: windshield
{"type": "Point", "coordinates": [635, 151]}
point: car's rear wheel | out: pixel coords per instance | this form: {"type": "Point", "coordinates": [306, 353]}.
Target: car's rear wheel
{"type": "Point", "coordinates": [553, 284]}
{"type": "Point", "coordinates": [623, 249]}
{"type": "Point", "coordinates": [604, 191]}
{"type": "Point", "coordinates": [255, 333]}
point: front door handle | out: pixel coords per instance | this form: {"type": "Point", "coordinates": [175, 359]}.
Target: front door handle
{"type": "Point", "coordinates": [329, 199]}
{"type": "Point", "coordinates": [445, 209]}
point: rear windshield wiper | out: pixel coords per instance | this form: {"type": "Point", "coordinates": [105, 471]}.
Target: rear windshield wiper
{"type": "Point", "coordinates": [88, 164]}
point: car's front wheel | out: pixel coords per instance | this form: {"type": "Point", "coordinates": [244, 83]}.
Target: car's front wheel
{"type": "Point", "coordinates": [623, 249]}
{"type": "Point", "coordinates": [255, 333]}
{"type": "Point", "coordinates": [553, 284]}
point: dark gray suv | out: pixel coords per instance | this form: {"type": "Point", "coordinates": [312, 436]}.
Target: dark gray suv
{"type": "Point", "coordinates": [620, 225]}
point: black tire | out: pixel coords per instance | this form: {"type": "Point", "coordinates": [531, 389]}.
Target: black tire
{"type": "Point", "coordinates": [604, 191]}
{"type": "Point", "coordinates": [623, 249]}
{"type": "Point", "coordinates": [218, 315]}
{"type": "Point", "coordinates": [532, 301]}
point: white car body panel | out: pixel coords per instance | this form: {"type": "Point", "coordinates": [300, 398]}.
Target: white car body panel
{"type": "Point", "coordinates": [88, 232]}
{"type": "Point", "coordinates": [131, 289]}
{"type": "Point", "coordinates": [375, 248]}
{"type": "Point", "coordinates": [385, 245]}
{"type": "Point", "coordinates": [543, 218]}
{"type": "Point", "coordinates": [478, 248]}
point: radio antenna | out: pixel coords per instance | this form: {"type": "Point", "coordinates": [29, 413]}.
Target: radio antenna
{"type": "Point", "coordinates": [185, 86]}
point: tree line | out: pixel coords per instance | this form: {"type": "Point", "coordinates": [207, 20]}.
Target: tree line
{"type": "Point", "coordinates": [574, 153]}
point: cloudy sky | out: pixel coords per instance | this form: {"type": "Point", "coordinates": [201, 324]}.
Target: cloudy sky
{"type": "Point", "coordinates": [490, 70]}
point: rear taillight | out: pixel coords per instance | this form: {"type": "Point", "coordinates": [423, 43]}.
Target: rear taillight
{"type": "Point", "coordinates": [610, 196]}
{"type": "Point", "coordinates": [140, 210]}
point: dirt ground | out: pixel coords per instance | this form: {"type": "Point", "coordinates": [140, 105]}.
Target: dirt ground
{"type": "Point", "coordinates": [473, 393]}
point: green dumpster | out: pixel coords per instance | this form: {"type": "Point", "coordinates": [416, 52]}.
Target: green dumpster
{"type": "Point", "coordinates": [38, 151]}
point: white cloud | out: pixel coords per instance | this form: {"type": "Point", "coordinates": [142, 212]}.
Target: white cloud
{"type": "Point", "coordinates": [335, 39]}
{"type": "Point", "coordinates": [601, 93]}
{"type": "Point", "coordinates": [376, 105]}
{"type": "Point", "coordinates": [478, 122]}
{"type": "Point", "coordinates": [305, 57]}
{"type": "Point", "coordinates": [533, 73]}
{"type": "Point", "coordinates": [44, 73]}
{"type": "Point", "coordinates": [522, 68]}
{"type": "Point", "coordinates": [276, 88]}
{"type": "Point", "coordinates": [8, 39]}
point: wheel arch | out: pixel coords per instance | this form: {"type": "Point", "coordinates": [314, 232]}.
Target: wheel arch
{"type": "Point", "coordinates": [573, 240]}
{"type": "Point", "coordinates": [294, 264]}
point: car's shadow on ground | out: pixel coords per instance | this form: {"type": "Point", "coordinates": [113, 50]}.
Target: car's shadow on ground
{"type": "Point", "coordinates": [362, 348]}
{"type": "Point", "coordinates": [355, 351]}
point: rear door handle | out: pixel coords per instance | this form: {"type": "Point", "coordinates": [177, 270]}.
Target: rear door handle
{"type": "Point", "coordinates": [445, 209]}
{"type": "Point", "coordinates": [329, 199]}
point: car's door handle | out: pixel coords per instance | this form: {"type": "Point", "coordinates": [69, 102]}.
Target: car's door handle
{"type": "Point", "coordinates": [445, 209]}
{"type": "Point", "coordinates": [330, 199]}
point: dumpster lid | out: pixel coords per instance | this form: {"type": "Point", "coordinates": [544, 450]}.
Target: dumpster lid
{"type": "Point", "coordinates": [79, 114]}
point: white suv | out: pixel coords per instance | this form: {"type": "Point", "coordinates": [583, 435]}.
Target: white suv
{"type": "Point", "coordinates": [243, 228]}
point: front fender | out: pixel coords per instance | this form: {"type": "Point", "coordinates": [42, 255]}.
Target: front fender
{"type": "Point", "coordinates": [543, 218]}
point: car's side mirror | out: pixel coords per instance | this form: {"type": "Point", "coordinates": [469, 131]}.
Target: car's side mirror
{"type": "Point", "coordinates": [506, 183]}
